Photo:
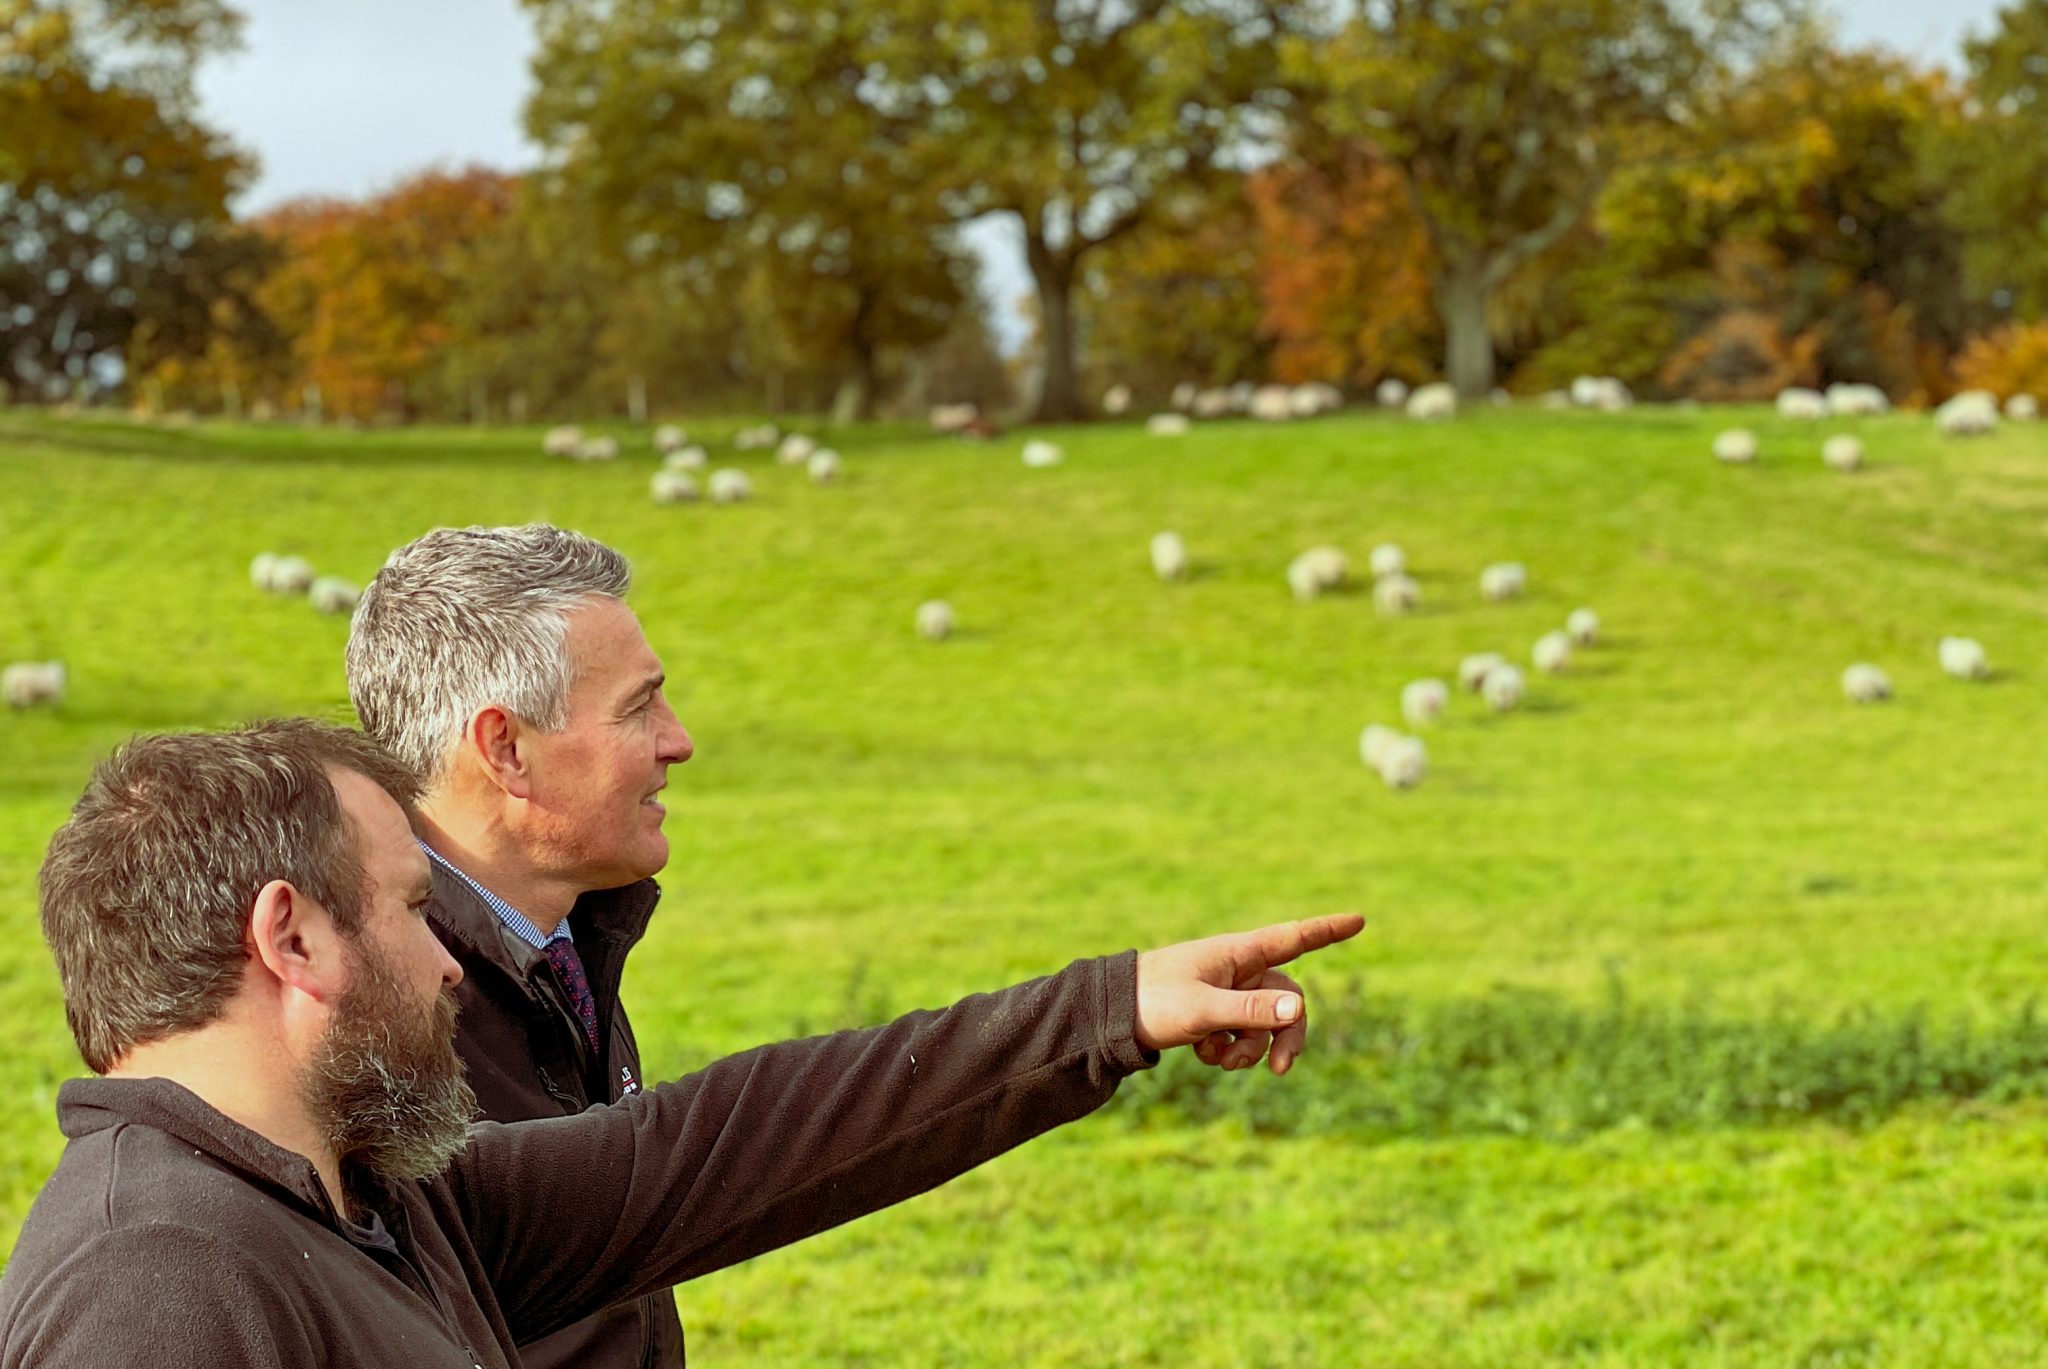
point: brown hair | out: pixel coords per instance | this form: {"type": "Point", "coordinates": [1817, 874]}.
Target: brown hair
{"type": "Point", "coordinates": [147, 889]}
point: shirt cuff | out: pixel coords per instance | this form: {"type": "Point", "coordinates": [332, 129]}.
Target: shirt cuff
{"type": "Point", "coordinates": [1119, 1015]}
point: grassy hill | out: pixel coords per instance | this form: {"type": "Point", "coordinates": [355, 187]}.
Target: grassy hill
{"type": "Point", "coordinates": [1689, 841]}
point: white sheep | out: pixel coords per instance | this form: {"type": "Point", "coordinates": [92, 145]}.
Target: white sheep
{"type": "Point", "coordinates": [1183, 397]}
{"type": "Point", "coordinates": [1552, 653]}
{"type": "Point", "coordinates": [1735, 447]}
{"type": "Point", "coordinates": [1842, 452]}
{"type": "Point", "coordinates": [759, 438]}
{"type": "Point", "coordinates": [1402, 762]}
{"type": "Point", "coordinates": [1502, 689]}
{"type": "Point", "coordinates": [1964, 658]}
{"type": "Point", "coordinates": [263, 569]}
{"type": "Point", "coordinates": [1972, 413]}
{"type": "Point", "coordinates": [1167, 425]}
{"type": "Point", "coordinates": [1797, 401]}
{"type": "Point", "coordinates": [1585, 391]}
{"type": "Point", "coordinates": [1169, 556]}
{"type": "Point", "coordinates": [1388, 559]}
{"type": "Point", "coordinates": [729, 486]}
{"type": "Point", "coordinates": [669, 438]}
{"type": "Point", "coordinates": [1395, 595]}
{"type": "Point", "coordinates": [1211, 404]}
{"type": "Point", "coordinates": [796, 449]}
{"type": "Point", "coordinates": [1272, 404]}
{"type": "Point", "coordinates": [1583, 627]}
{"type": "Point", "coordinates": [2023, 408]}
{"type": "Point", "coordinates": [1503, 581]}
{"type": "Point", "coordinates": [1316, 571]}
{"type": "Point", "coordinates": [953, 418]}
{"type": "Point", "coordinates": [1315, 398]}
{"type": "Point", "coordinates": [672, 487]}
{"type": "Point", "coordinates": [1605, 393]}
{"type": "Point", "coordinates": [1392, 393]}
{"type": "Point", "coordinates": [689, 458]}
{"type": "Point", "coordinates": [291, 575]}
{"type": "Point", "coordinates": [597, 449]}
{"type": "Point", "coordinates": [935, 620]}
{"type": "Point", "coordinates": [1857, 401]}
{"type": "Point", "coordinates": [823, 467]}
{"type": "Point", "coordinates": [1473, 670]}
{"type": "Point", "coordinates": [26, 684]}
{"type": "Point", "coordinates": [1038, 454]}
{"type": "Point", "coordinates": [1116, 400]}
{"type": "Point", "coordinates": [1866, 684]}
{"type": "Point", "coordinates": [1424, 701]}
{"type": "Point", "coordinates": [566, 440]}
{"type": "Point", "coordinates": [1374, 742]}
{"type": "Point", "coordinates": [332, 594]}
{"type": "Point", "coordinates": [1433, 402]}
{"type": "Point", "coordinates": [1241, 392]}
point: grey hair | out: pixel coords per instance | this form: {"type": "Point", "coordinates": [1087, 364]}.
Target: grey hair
{"type": "Point", "coordinates": [465, 617]}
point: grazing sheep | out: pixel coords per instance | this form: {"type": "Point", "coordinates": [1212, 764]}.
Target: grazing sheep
{"type": "Point", "coordinates": [562, 441]}
{"type": "Point", "coordinates": [1396, 595]}
{"type": "Point", "coordinates": [729, 486]}
{"type": "Point", "coordinates": [1315, 398]}
{"type": "Point", "coordinates": [1316, 571]}
{"type": "Point", "coordinates": [1374, 741]}
{"type": "Point", "coordinates": [1211, 404]}
{"type": "Point", "coordinates": [1552, 653]}
{"type": "Point", "coordinates": [758, 438]}
{"type": "Point", "coordinates": [1167, 425]}
{"type": "Point", "coordinates": [1388, 559]}
{"type": "Point", "coordinates": [823, 467]}
{"type": "Point", "coordinates": [1116, 400]}
{"type": "Point", "coordinates": [1169, 556]}
{"type": "Point", "coordinates": [1799, 402]}
{"type": "Point", "coordinates": [1433, 402]}
{"type": "Point", "coordinates": [669, 438]}
{"type": "Point", "coordinates": [263, 569]}
{"type": "Point", "coordinates": [1605, 393]}
{"type": "Point", "coordinates": [2023, 408]}
{"type": "Point", "coordinates": [1272, 404]}
{"type": "Point", "coordinates": [332, 594]}
{"type": "Point", "coordinates": [26, 684]}
{"type": "Point", "coordinates": [1184, 395]}
{"type": "Point", "coordinates": [690, 458]}
{"type": "Point", "coordinates": [1866, 684]}
{"type": "Point", "coordinates": [597, 449]}
{"type": "Point", "coordinates": [1583, 627]}
{"type": "Point", "coordinates": [1857, 401]}
{"type": "Point", "coordinates": [1241, 393]}
{"type": "Point", "coordinates": [1736, 447]}
{"type": "Point", "coordinates": [953, 418]}
{"type": "Point", "coordinates": [1963, 657]}
{"type": "Point", "coordinates": [1473, 670]}
{"type": "Point", "coordinates": [1503, 581]}
{"type": "Point", "coordinates": [1392, 393]}
{"type": "Point", "coordinates": [1843, 453]}
{"type": "Point", "coordinates": [672, 487]}
{"type": "Point", "coordinates": [1972, 413]}
{"type": "Point", "coordinates": [1400, 761]}
{"type": "Point", "coordinates": [1424, 701]}
{"type": "Point", "coordinates": [1038, 454]}
{"type": "Point", "coordinates": [935, 620]}
{"type": "Point", "coordinates": [290, 575]}
{"type": "Point", "coordinates": [795, 449]}
{"type": "Point", "coordinates": [1502, 689]}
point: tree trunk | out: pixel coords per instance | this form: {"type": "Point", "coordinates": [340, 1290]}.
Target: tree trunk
{"type": "Point", "coordinates": [860, 391]}
{"type": "Point", "coordinates": [1461, 294]}
{"type": "Point", "coordinates": [1059, 387]}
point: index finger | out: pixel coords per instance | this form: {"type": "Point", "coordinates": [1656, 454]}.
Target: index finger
{"type": "Point", "coordinates": [1284, 941]}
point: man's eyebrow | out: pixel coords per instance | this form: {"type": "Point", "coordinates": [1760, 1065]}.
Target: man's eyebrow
{"type": "Point", "coordinates": [648, 686]}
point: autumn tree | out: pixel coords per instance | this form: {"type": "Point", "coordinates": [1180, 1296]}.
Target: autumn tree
{"type": "Point", "coordinates": [1996, 161]}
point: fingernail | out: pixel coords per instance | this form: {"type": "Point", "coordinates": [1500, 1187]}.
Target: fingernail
{"type": "Point", "coordinates": [1288, 1008]}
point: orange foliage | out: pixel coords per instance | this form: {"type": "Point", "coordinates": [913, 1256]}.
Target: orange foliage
{"type": "Point", "coordinates": [2007, 361]}
{"type": "Point", "coordinates": [1344, 272]}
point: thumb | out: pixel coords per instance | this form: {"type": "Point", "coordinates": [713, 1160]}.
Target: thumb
{"type": "Point", "coordinates": [1252, 1009]}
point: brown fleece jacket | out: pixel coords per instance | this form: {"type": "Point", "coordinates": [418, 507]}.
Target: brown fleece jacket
{"type": "Point", "coordinates": [173, 1237]}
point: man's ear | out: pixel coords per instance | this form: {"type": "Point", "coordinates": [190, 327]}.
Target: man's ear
{"type": "Point", "coordinates": [297, 942]}
{"type": "Point", "coordinates": [499, 744]}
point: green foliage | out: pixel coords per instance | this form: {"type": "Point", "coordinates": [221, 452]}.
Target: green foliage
{"type": "Point", "coordinates": [1996, 161]}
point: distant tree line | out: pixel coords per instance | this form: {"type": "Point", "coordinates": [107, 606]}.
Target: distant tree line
{"type": "Point", "coordinates": [756, 204]}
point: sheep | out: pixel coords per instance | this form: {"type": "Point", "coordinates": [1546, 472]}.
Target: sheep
{"type": "Point", "coordinates": [823, 467]}
{"type": "Point", "coordinates": [1388, 559]}
{"type": "Point", "coordinates": [1184, 394]}
{"type": "Point", "coordinates": [1502, 689]}
{"type": "Point", "coordinates": [729, 486]}
{"type": "Point", "coordinates": [1116, 400]}
{"type": "Point", "coordinates": [1857, 401]}
{"type": "Point", "coordinates": [563, 441]}
{"type": "Point", "coordinates": [795, 450]}
{"type": "Point", "coordinates": [1972, 413]}
{"type": "Point", "coordinates": [1272, 404]}
{"type": "Point", "coordinates": [669, 439]}
{"type": "Point", "coordinates": [1735, 447]}
{"type": "Point", "coordinates": [1241, 393]}
{"type": "Point", "coordinates": [290, 575]}
{"type": "Point", "coordinates": [1211, 404]}
{"type": "Point", "coordinates": [1583, 627]}
{"type": "Point", "coordinates": [263, 569]}
{"type": "Point", "coordinates": [1317, 570]}
{"type": "Point", "coordinates": [1167, 425]}
{"type": "Point", "coordinates": [935, 620]}
{"type": "Point", "coordinates": [1842, 453]}
{"type": "Point", "coordinates": [1038, 454]}
{"type": "Point", "coordinates": [332, 594]}
{"type": "Point", "coordinates": [1433, 402]}
{"type": "Point", "coordinates": [1473, 670]}
{"type": "Point", "coordinates": [1169, 556]}
{"type": "Point", "coordinates": [1424, 701]}
{"type": "Point", "coordinates": [1866, 684]}
{"type": "Point", "coordinates": [1552, 653]}
{"type": "Point", "coordinates": [1605, 393]}
{"type": "Point", "coordinates": [1395, 595]}
{"type": "Point", "coordinates": [597, 449]}
{"type": "Point", "coordinates": [1963, 657]}
{"type": "Point", "coordinates": [1503, 581]}
{"type": "Point", "coordinates": [26, 684]}
{"type": "Point", "coordinates": [672, 487]}
{"type": "Point", "coordinates": [690, 458]}
{"type": "Point", "coordinates": [1797, 401]}
{"type": "Point", "coordinates": [953, 418]}
{"type": "Point", "coordinates": [1585, 391]}
{"type": "Point", "coordinates": [1392, 393]}
{"type": "Point", "coordinates": [758, 438]}
{"type": "Point", "coordinates": [1374, 743]}
{"type": "Point", "coordinates": [2023, 408]}
{"type": "Point", "coordinates": [1315, 398]}
{"type": "Point", "coordinates": [1400, 761]}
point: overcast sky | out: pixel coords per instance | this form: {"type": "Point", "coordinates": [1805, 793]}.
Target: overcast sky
{"type": "Point", "coordinates": [343, 97]}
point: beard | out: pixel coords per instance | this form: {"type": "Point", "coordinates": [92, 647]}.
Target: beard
{"type": "Point", "coordinates": [386, 1085]}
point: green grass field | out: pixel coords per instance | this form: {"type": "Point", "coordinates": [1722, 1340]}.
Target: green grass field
{"type": "Point", "coordinates": [1097, 761]}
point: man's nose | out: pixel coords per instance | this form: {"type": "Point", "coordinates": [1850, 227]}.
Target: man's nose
{"type": "Point", "coordinates": [676, 746]}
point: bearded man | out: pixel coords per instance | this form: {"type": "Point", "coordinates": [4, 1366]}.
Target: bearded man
{"type": "Point", "coordinates": [275, 1167]}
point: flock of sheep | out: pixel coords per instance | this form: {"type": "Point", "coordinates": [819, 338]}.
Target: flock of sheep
{"type": "Point", "coordinates": [682, 460]}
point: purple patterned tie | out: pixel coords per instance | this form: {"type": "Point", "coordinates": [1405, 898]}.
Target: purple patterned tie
{"type": "Point", "coordinates": [569, 965]}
